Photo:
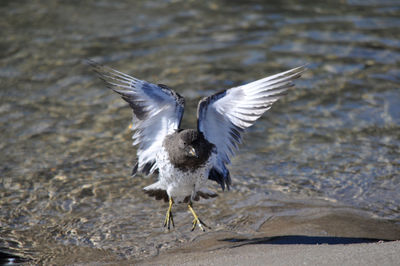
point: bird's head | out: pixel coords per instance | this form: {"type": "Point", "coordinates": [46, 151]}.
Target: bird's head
{"type": "Point", "coordinates": [188, 143]}
{"type": "Point", "coordinates": [187, 149]}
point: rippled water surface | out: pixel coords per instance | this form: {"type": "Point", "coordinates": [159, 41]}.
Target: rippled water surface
{"type": "Point", "coordinates": [66, 151]}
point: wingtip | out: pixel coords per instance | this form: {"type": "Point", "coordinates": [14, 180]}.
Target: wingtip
{"type": "Point", "coordinates": [303, 68]}
{"type": "Point", "coordinates": [95, 65]}
{"type": "Point", "coordinates": [135, 168]}
{"type": "Point", "coordinates": [99, 68]}
{"type": "Point", "coordinates": [299, 69]}
{"type": "Point", "coordinates": [296, 72]}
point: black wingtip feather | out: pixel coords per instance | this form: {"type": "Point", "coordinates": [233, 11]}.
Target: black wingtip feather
{"type": "Point", "coordinates": [220, 178]}
{"type": "Point", "coordinates": [135, 168]}
{"type": "Point", "coordinates": [147, 167]}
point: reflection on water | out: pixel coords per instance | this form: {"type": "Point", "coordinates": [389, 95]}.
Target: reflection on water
{"type": "Point", "coordinates": [66, 154]}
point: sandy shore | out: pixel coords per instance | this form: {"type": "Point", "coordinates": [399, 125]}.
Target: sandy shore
{"type": "Point", "coordinates": [323, 237]}
{"type": "Point", "coordinates": [387, 253]}
{"type": "Point", "coordinates": [315, 236]}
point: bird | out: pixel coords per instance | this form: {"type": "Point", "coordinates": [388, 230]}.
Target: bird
{"type": "Point", "coordinates": [186, 158]}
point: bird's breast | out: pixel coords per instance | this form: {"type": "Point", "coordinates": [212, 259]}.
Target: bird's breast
{"type": "Point", "coordinates": [181, 182]}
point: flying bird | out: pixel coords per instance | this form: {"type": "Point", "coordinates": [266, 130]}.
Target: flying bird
{"type": "Point", "coordinates": [186, 158]}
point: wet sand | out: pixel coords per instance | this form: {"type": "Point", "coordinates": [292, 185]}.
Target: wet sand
{"type": "Point", "coordinates": [268, 254]}
{"type": "Point", "coordinates": [316, 236]}
{"type": "Point", "coordinates": [321, 237]}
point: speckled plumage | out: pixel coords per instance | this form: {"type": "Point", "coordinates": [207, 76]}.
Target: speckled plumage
{"type": "Point", "coordinates": [181, 174]}
{"type": "Point", "coordinates": [180, 183]}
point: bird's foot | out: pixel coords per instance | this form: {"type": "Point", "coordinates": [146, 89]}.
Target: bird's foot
{"type": "Point", "coordinates": [169, 218]}
{"type": "Point", "coordinates": [200, 223]}
{"type": "Point", "coordinates": [196, 220]}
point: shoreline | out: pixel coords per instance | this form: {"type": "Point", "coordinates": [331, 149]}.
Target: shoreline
{"type": "Point", "coordinates": [378, 253]}
{"type": "Point", "coordinates": [317, 236]}
{"type": "Point", "coordinates": [321, 237]}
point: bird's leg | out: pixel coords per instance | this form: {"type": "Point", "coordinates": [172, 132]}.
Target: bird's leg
{"type": "Point", "coordinates": [196, 220]}
{"type": "Point", "coordinates": [168, 217]}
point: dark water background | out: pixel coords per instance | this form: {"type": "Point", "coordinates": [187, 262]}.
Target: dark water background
{"type": "Point", "coordinates": [66, 154]}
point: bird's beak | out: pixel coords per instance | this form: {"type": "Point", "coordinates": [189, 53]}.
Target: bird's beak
{"type": "Point", "coordinates": [193, 152]}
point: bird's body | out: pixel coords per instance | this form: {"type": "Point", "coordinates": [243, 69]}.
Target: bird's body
{"type": "Point", "coordinates": [186, 158]}
{"type": "Point", "coordinates": [182, 174]}
{"type": "Point", "coordinates": [181, 185]}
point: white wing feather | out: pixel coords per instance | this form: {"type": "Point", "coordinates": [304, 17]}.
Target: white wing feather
{"type": "Point", "coordinates": [223, 116]}
{"type": "Point", "coordinates": [157, 112]}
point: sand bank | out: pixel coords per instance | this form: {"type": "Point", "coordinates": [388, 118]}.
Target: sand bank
{"type": "Point", "coordinates": [323, 237]}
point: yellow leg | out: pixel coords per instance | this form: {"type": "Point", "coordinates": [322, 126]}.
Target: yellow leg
{"type": "Point", "coordinates": [196, 220]}
{"type": "Point", "coordinates": [168, 217]}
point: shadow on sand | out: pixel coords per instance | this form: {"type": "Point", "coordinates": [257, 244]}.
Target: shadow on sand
{"type": "Point", "coordinates": [300, 240]}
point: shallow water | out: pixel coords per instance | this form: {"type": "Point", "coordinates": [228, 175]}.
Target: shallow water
{"type": "Point", "coordinates": [66, 147]}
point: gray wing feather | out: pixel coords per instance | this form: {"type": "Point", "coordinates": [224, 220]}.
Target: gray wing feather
{"type": "Point", "coordinates": [157, 112]}
{"type": "Point", "coordinates": [223, 116]}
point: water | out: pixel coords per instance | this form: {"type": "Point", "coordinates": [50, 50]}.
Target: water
{"type": "Point", "coordinates": [65, 193]}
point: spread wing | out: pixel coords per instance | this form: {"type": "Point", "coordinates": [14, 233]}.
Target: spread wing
{"type": "Point", "coordinates": [223, 116]}
{"type": "Point", "coordinates": [157, 112]}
